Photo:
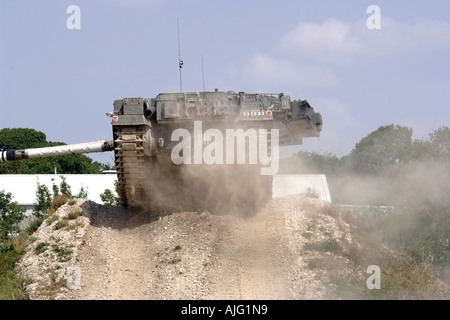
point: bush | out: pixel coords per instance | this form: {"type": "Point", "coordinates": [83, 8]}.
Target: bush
{"type": "Point", "coordinates": [107, 197]}
{"type": "Point", "coordinates": [33, 226]}
{"type": "Point", "coordinates": [74, 213]}
{"type": "Point", "coordinates": [58, 201]}
{"type": "Point", "coordinates": [10, 215]}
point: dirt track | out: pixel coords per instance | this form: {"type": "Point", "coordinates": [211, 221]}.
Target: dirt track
{"type": "Point", "coordinates": [185, 255]}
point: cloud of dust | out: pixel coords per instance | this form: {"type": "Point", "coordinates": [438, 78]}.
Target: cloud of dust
{"type": "Point", "coordinates": [417, 219]}
{"type": "Point", "coordinates": [234, 189]}
{"type": "Point", "coordinates": [419, 181]}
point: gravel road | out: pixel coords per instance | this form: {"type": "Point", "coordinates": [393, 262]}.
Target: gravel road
{"type": "Point", "coordinates": [187, 255]}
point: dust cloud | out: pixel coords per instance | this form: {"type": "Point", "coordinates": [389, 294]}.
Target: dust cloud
{"type": "Point", "coordinates": [223, 189]}
{"type": "Point", "coordinates": [237, 190]}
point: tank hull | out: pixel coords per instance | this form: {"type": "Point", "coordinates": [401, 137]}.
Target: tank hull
{"type": "Point", "coordinates": [145, 137]}
{"type": "Point", "coordinates": [215, 150]}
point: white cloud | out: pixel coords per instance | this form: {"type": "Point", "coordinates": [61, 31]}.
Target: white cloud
{"type": "Point", "coordinates": [139, 3]}
{"type": "Point", "coordinates": [337, 41]}
{"type": "Point", "coordinates": [432, 32]}
{"type": "Point", "coordinates": [305, 55]}
{"type": "Point", "coordinates": [401, 37]}
{"type": "Point", "coordinates": [269, 73]}
{"type": "Point", "coordinates": [330, 41]}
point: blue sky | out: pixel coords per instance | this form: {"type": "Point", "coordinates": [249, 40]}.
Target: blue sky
{"type": "Point", "coordinates": [63, 81]}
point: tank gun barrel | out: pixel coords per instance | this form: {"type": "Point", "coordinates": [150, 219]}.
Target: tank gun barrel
{"type": "Point", "coordinates": [88, 147]}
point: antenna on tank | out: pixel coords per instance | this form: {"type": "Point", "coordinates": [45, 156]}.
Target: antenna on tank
{"type": "Point", "coordinates": [203, 75]}
{"type": "Point", "coordinates": [180, 62]}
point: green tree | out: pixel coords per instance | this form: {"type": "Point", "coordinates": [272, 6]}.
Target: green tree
{"type": "Point", "coordinates": [64, 187]}
{"type": "Point", "coordinates": [55, 188]}
{"type": "Point", "coordinates": [24, 138]}
{"type": "Point", "coordinates": [421, 150]}
{"type": "Point", "coordinates": [83, 194]}
{"type": "Point", "coordinates": [382, 151]}
{"type": "Point", "coordinates": [10, 215]}
{"type": "Point", "coordinates": [43, 200]}
{"type": "Point", "coordinates": [440, 141]}
{"type": "Point", "coordinates": [110, 198]}
{"type": "Point", "coordinates": [420, 222]}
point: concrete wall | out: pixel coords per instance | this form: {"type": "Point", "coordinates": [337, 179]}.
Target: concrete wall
{"type": "Point", "coordinates": [23, 186]}
{"type": "Point", "coordinates": [289, 184]}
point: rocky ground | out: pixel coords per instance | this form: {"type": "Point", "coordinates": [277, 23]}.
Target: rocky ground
{"type": "Point", "coordinates": [291, 249]}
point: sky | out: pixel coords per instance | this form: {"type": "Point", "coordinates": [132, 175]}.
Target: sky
{"type": "Point", "coordinates": [62, 80]}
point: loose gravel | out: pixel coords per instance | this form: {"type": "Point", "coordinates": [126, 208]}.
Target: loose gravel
{"type": "Point", "coordinates": [111, 253]}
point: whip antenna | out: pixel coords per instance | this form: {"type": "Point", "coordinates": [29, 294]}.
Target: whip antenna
{"type": "Point", "coordinates": [203, 75]}
{"type": "Point", "coordinates": [180, 62]}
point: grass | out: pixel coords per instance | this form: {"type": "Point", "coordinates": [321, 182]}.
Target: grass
{"type": "Point", "coordinates": [34, 225]}
{"type": "Point", "coordinates": [51, 219]}
{"type": "Point", "coordinates": [9, 287]}
{"type": "Point", "coordinates": [74, 213]}
{"type": "Point", "coordinates": [175, 260]}
{"type": "Point", "coordinates": [63, 254]}
{"type": "Point", "coordinates": [13, 249]}
{"type": "Point", "coordinates": [327, 245]}
{"type": "Point", "coordinates": [401, 279]}
{"type": "Point", "coordinates": [402, 276]}
{"type": "Point", "coordinates": [316, 262]}
{"type": "Point", "coordinates": [345, 270]}
{"type": "Point", "coordinates": [41, 247]}
{"type": "Point", "coordinates": [55, 285]}
{"type": "Point", "coordinates": [63, 223]}
{"type": "Point", "coordinates": [74, 225]}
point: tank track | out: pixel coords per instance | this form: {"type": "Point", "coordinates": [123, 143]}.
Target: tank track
{"type": "Point", "coordinates": [130, 164]}
{"type": "Point", "coordinates": [135, 173]}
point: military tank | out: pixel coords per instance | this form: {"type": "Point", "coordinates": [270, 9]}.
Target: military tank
{"type": "Point", "coordinates": [196, 149]}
